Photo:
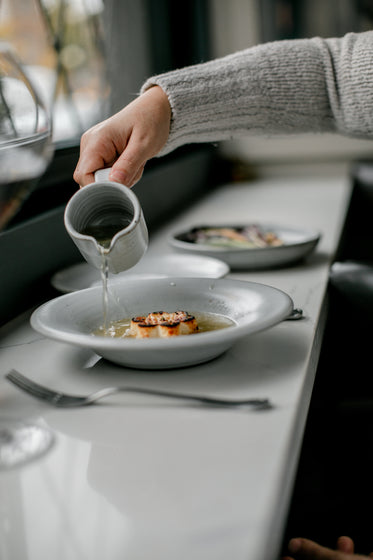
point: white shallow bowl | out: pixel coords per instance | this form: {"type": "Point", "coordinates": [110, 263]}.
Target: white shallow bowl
{"type": "Point", "coordinates": [84, 275]}
{"type": "Point", "coordinates": [297, 245]}
{"type": "Point", "coordinates": [253, 307]}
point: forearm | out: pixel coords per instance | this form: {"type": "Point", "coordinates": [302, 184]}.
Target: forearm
{"type": "Point", "coordinates": [307, 85]}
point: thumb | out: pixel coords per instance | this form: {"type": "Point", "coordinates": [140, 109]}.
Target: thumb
{"type": "Point", "coordinates": [126, 171]}
{"type": "Point", "coordinates": [129, 166]}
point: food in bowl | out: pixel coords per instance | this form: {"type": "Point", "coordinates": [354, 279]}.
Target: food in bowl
{"type": "Point", "coordinates": [246, 237]}
{"type": "Point", "coordinates": [162, 324]}
{"type": "Point", "coordinates": [165, 324]}
{"type": "Point", "coordinates": [250, 307]}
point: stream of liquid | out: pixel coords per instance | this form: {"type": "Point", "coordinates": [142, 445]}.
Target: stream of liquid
{"type": "Point", "coordinates": [105, 292]}
{"type": "Point", "coordinates": [104, 235]}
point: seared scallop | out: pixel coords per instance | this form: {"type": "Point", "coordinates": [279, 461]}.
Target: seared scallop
{"type": "Point", "coordinates": [163, 324]}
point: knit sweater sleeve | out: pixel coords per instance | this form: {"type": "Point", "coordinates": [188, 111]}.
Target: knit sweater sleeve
{"type": "Point", "coordinates": [283, 87]}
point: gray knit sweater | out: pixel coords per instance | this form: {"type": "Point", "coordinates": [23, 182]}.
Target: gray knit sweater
{"type": "Point", "coordinates": [305, 85]}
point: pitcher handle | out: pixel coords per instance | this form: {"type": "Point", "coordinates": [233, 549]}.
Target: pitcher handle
{"type": "Point", "coordinates": [102, 174]}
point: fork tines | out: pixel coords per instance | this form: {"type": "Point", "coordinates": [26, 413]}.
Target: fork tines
{"type": "Point", "coordinates": [28, 385]}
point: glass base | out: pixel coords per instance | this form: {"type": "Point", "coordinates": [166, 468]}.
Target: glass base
{"type": "Point", "coordinates": [22, 443]}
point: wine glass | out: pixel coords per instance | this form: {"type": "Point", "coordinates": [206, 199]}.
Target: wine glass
{"type": "Point", "coordinates": [25, 136]}
{"type": "Point", "coordinates": [25, 151]}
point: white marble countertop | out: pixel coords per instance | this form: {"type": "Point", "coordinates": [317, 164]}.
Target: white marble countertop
{"type": "Point", "coordinates": [140, 478]}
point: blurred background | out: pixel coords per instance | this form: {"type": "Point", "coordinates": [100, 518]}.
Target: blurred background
{"type": "Point", "coordinates": [89, 57]}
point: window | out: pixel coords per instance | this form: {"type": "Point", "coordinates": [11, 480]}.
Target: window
{"type": "Point", "coordinates": [60, 43]}
{"type": "Point", "coordinates": [88, 58]}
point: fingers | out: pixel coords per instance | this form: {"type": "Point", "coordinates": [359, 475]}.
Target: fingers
{"type": "Point", "coordinates": [121, 175]}
{"type": "Point", "coordinates": [127, 140]}
{"type": "Point", "coordinates": [304, 549]}
{"type": "Point", "coordinates": [97, 150]}
{"type": "Point", "coordinates": [150, 125]}
{"type": "Point", "coordinates": [83, 179]}
{"type": "Point", "coordinates": [129, 167]}
{"type": "Point", "coordinates": [138, 176]}
{"type": "Point", "coordinates": [345, 544]}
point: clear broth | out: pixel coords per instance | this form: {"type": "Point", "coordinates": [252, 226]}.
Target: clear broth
{"type": "Point", "coordinates": [104, 233]}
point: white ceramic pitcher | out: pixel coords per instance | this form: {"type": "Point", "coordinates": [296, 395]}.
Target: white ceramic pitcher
{"type": "Point", "coordinates": [107, 206]}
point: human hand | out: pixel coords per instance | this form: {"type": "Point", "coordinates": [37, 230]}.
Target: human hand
{"type": "Point", "coordinates": [126, 140]}
{"type": "Point", "coordinates": [304, 549]}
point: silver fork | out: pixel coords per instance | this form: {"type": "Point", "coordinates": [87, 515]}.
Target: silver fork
{"type": "Point", "coordinates": [58, 398]}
